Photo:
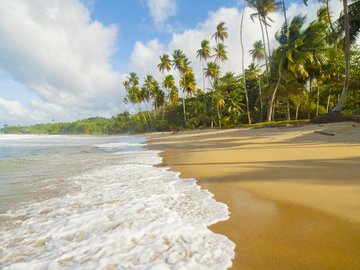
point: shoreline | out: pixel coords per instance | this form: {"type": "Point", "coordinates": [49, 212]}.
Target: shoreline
{"type": "Point", "coordinates": [293, 194]}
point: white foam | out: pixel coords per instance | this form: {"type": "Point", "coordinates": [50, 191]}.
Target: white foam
{"type": "Point", "coordinates": [129, 216]}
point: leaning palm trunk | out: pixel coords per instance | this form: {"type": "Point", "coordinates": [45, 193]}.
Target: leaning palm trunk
{"type": "Point", "coordinates": [272, 99]}
{"type": "Point", "coordinates": [328, 104]}
{"type": "Point", "coordinates": [243, 65]}
{"type": "Point", "coordinates": [340, 103]}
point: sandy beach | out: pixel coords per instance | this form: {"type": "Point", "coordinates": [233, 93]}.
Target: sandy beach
{"type": "Point", "coordinates": [293, 193]}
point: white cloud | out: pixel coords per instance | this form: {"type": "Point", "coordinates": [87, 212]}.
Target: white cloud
{"type": "Point", "coordinates": [161, 10]}
{"type": "Point", "coordinates": [11, 109]}
{"type": "Point", "coordinates": [56, 50]}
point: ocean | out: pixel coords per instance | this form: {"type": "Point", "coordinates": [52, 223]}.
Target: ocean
{"type": "Point", "coordinates": [84, 202]}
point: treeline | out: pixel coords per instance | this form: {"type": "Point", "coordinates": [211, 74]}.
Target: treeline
{"type": "Point", "coordinates": [312, 71]}
{"type": "Point", "coordinates": [94, 125]}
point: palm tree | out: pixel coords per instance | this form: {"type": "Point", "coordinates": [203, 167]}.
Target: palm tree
{"type": "Point", "coordinates": [150, 86]}
{"type": "Point", "coordinates": [165, 63]}
{"type": "Point", "coordinates": [133, 78]}
{"type": "Point", "coordinates": [212, 71]}
{"type": "Point", "coordinates": [169, 83]}
{"type": "Point", "coordinates": [174, 95]}
{"type": "Point", "coordinates": [204, 53]}
{"type": "Point", "coordinates": [220, 53]}
{"type": "Point", "coordinates": [219, 103]}
{"type": "Point", "coordinates": [340, 103]}
{"type": "Point", "coordinates": [258, 51]}
{"type": "Point", "coordinates": [296, 50]}
{"type": "Point", "coordinates": [328, 18]}
{"type": "Point", "coordinates": [258, 54]}
{"type": "Point", "coordinates": [253, 73]}
{"type": "Point", "coordinates": [221, 32]}
{"type": "Point", "coordinates": [253, 4]}
{"type": "Point", "coordinates": [188, 84]}
{"type": "Point", "coordinates": [179, 61]}
{"type": "Point", "coordinates": [264, 8]}
{"type": "Point", "coordinates": [243, 65]}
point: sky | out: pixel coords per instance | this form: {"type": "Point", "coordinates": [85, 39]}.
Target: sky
{"type": "Point", "coordinates": [64, 60]}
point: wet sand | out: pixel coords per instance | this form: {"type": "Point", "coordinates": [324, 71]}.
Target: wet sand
{"type": "Point", "coordinates": [294, 195]}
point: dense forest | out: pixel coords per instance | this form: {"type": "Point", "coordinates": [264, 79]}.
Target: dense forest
{"type": "Point", "coordinates": [314, 70]}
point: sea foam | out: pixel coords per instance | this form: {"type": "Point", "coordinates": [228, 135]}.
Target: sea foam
{"type": "Point", "coordinates": [131, 215]}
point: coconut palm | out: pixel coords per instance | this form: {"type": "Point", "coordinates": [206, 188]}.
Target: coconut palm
{"type": "Point", "coordinates": [169, 83]}
{"type": "Point", "coordinates": [150, 86]}
{"type": "Point", "coordinates": [204, 53]}
{"type": "Point", "coordinates": [221, 32]}
{"type": "Point", "coordinates": [253, 73]}
{"type": "Point", "coordinates": [243, 64]}
{"type": "Point", "coordinates": [354, 21]}
{"type": "Point", "coordinates": [253, 4]}
{"type": "Point", "coordinates": [340, 103]}
{"type": "Point", "coordinates": [220, 53]}
{"type": "Point", "coordinates": [264, 8]}
{"type": "Point", "coordinates": [133, 78]}
{"type": "Point", "coordinates": [179, 61]}
{"type": "Point", "coordinates": [212, 71]}
{"type": "Point", "coordinates": [219, 103]}
{"type": "Point", "coordinates": [165, 63]}
{"type": "Point", "coordinates": [258, 51]}
{"type": "Point", "coordinates": [258, 54]}
{"type": "Point", "coordinates": [295, 51]}
{"type": "Point", "coordinates": [174, 95]}
{"type": "Point", "coordinates": [188, 85]}
{"type": "Point", "coordinates": [326, 10]}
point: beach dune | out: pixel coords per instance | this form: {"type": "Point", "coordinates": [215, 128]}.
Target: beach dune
{"type": "Point", "coordinates": [293, 192]}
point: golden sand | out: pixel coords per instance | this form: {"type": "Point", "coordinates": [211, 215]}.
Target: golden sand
{"type": "Point", "coordinates": [294, 195]}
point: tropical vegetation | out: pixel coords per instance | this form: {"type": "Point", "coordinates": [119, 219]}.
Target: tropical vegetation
{"type": "Point", "coordinates": [313, 70]}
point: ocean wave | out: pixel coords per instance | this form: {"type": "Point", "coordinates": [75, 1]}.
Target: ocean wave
{"type": "Point", "coordinates": [126, 216]}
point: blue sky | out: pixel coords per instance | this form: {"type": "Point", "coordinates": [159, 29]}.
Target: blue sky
{"type": "Point", "coordinates": [67, 59]}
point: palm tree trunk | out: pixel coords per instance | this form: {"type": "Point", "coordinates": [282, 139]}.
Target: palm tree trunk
{"type": "Point", "coordinates": [272, 99]}
{"type": "Point", "coordinates": [318, 98]}
{"type": "Point", "coordinates": [309, 103]}
{"type": "Point", "coordinates": [203, 76]}
{"type": "Point", "coordinates": [340, 103]}
{"type": "Point", "coordinates": [328, 104]}
{"type": "Point", "coordinates": [147, 109]}
{"type": "Point", "coordinates": [243, 64]}
{"type": "Point", "coordinates": [267, 37]}
{"type": "Point", "coordinates": [219, 117]}
{"type": "Point", "coordinates": [288, 116]}
{"type": "Point", "coordinates": [263, 38]}
{"type": "Point", "coordinates": [273, 112]}
{"type": "Point", "coordinates": [147, 124]}
{"type": "Point", "coordinates": [284, 10]}
{"type": "Point", "coordinates": [330, 22]}
{"type": "Point", "coordinates": [298, 102]}
{"type": "Point", "coordinates": [261, 101]}
{"type": "Point", "coordinates": [184, 109]}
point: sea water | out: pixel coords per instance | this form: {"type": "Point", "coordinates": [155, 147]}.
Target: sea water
{"type": "Point", "coordinates": [76, 202]}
